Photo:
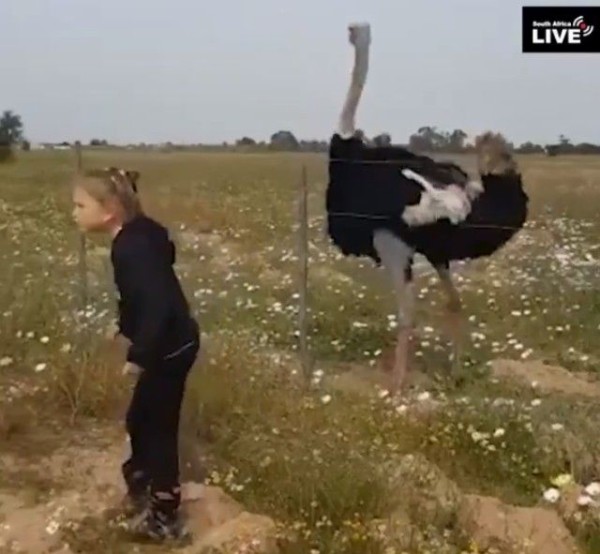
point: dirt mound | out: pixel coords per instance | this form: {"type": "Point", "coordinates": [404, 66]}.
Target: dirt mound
{"type": "Point", "coordinates": [425, 503]}
{"type": "Point", "coordinates": [420, 489]}
{"type": "Point", "coordinates": [514, 529]}
{"type": "Point", "coordinates": [87, 484]}
{"type": "Point", "coordinates": [545, 378]}
{"type": "Point", "coordinates": [218, 522]}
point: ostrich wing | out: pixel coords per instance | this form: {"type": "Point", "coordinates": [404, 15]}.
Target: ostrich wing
{"type": "Point", "coordinates": [393, 183]}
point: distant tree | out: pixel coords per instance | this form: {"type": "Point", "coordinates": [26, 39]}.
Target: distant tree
{"type": "Point", "coordinates": [499, 138]}
{"type": "Point", "coordinates": [25, 146]}
{"type": "Point", "coordinates": [11, 128]}
{"type": "Point", "coordinates": [530, 148]}
{"type": "Point", "coordinates": [11, 133]}
{"type": "Point", "coordinates": [383, 139]}
{"type": "Point", "coordinates": [428, 139]}
{"type": "Point", "coordinates": [418, 143]}
{"type": "Point", "coordinates": [563, 146]}
{"type": "Point", "coordinates": [427, 136]}
{"type": "Point", "coordinates": [98, 142]}
{"type": "Point", "coordinates": [284, 140]}
{"type": "Point", "coordinates": [360, 135]}
{"type": "Point", "coordinates": [313, 146]}
{"type": "Point", "coordinates": [586, 148]}
{"type": "Point", "coordinates": [564, 140]}
{"type": "Point", "coordinates": [456, 140]}
{"type": "Point", "coordinates": [245, 141]}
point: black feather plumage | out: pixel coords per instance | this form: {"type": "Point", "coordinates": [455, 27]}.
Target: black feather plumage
{"type": "Point", "coordinates": [367, 191]}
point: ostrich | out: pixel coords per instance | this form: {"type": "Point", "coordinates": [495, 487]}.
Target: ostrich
{"type": "Point", "coordinates": [388, 203]}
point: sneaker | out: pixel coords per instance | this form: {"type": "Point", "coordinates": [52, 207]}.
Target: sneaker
{"type": "Point", "coordinates": [158, 526]}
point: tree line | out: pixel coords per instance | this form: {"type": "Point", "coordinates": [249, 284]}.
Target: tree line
{"type": "Point", "coordinates": [425, 139]}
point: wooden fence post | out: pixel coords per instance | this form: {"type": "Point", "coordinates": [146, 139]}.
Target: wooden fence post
{"type": "Point", "coordinates": [83, 272]}
{"type": "Point", "coordinates": [303, 274]}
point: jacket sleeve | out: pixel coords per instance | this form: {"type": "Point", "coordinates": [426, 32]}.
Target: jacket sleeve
{"type": "Point", "coordinates": [145, 280]}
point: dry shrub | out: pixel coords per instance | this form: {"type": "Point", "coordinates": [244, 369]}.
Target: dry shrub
{"type": "Point", "coordinates": [91, 385]}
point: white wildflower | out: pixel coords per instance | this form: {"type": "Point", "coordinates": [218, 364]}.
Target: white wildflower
{"type": "Point", "coordinates": [593, 489]}
{"type": "Point", "coordinates": [552, 495]}
{"type": "Point", "coordinates": [584, 500]}
{"type": "Point", "coordinates": [52, 527]}
{"type": "Point", "coordinates": [326, 399]}
{"type": "Point", "coordinates": [499, 433]}
{"type": "Point", "coordinates": [40, 367]}
{"type": "Point", "coordinates": [477, 436]}
{"type": "Point", "coordinates": [6, 361]}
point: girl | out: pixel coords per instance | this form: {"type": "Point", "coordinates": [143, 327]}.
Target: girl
{"type": "Point", "coordinates": [164, 340]}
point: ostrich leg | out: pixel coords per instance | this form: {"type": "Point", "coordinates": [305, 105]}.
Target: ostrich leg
{"type": "Point", "coordinates": [455, 317]}
{"type": "Point", "coordinates": [396, 257]}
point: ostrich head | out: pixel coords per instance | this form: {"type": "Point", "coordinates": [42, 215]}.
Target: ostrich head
{"type": "Point", "coordinates": [360, 38]}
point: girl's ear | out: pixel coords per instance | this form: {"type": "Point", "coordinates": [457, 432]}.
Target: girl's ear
{"type": "Point", "coordinates": [112, 208]}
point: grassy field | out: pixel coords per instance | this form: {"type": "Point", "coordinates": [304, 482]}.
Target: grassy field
{"type": "Point", "coordinates": [309, 457]}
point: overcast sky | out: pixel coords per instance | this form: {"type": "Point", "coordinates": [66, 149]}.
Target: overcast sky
{"type": "Point", "coordinates": [200, 71]}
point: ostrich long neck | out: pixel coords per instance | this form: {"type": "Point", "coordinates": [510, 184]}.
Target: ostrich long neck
{"type": "Point", "coordinates": [359, 77]}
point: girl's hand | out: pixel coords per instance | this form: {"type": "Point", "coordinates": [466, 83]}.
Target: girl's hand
{"type": "Point", "coordinates": [132, 369]}
{"type": "Point", "coordinates": [113, 335]}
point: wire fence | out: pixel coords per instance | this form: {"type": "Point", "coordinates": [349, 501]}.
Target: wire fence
{"type": "Point", "coordinates": [302, 242]}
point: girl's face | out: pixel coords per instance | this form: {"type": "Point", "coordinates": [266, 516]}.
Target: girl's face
{"type": "Point", "coordinates": [89, 214]}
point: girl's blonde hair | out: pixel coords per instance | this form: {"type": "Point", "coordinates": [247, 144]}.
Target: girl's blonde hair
{"type": "Point", "coordinates": [112, 182]}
